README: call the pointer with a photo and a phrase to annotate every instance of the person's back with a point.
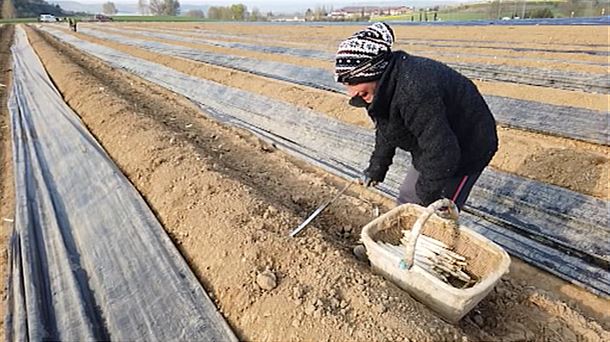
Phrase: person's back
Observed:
(421, 79)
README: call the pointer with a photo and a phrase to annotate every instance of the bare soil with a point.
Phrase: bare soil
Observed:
(323, 101)
(228, 201)
(545, 158)
(7, 197)
(558, 97)
(556, 37)
(496, 50)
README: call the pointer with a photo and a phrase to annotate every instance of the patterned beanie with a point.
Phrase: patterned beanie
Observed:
(364, 56)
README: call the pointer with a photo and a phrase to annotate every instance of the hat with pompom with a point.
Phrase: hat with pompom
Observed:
(364, 56)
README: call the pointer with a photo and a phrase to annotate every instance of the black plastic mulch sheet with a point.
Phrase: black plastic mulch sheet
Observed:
(559, 230)
(261, 43)
(570, 80)
(570, 122)
(88, 259)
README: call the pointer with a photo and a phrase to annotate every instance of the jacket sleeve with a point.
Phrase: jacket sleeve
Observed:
(440, 152)
(381, 159)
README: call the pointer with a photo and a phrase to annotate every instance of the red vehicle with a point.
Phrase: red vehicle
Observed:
(102, 18)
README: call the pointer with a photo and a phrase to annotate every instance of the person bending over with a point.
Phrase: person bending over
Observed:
(423, 107)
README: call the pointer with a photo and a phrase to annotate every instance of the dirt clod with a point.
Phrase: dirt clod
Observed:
(266, 280)
(296, 199)
(298, 292)
(310, 308)
(360, 253)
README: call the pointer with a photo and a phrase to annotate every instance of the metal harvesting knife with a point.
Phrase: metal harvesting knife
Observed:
(320, 209)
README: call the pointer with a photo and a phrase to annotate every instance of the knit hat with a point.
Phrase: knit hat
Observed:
(364, 56)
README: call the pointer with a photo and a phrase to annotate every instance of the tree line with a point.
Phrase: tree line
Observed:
(547, 9)
(172, 8)
(29, 8)
(496, 9)
(237, 12)
(146, 7)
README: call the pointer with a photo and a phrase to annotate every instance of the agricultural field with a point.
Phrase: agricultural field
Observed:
(233, 133)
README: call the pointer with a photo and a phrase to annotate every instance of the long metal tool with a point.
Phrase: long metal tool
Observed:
(320, 209)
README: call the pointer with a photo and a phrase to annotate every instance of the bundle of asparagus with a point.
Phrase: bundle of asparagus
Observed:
(436, 258)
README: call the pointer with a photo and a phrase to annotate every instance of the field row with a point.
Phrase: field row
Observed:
(535, 156)
(192, 170)
(559, 224)
(565, 76)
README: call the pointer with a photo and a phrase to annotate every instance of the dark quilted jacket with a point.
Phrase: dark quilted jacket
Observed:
(424, 107)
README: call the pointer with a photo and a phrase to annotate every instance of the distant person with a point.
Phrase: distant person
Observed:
(72, 24)
(421, 106)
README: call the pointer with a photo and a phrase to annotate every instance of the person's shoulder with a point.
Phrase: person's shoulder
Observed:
(413, 73)
(429, 65)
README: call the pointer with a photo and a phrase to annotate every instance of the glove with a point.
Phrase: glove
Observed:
(367, 181)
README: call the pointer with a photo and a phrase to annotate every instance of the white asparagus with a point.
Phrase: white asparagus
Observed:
(441, 259)
(434, 259)
(435, 246)
(427, 242)
(433, 241)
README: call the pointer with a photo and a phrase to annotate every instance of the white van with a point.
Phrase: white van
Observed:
(47, 18)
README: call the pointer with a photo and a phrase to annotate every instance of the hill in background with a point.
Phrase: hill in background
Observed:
(28, 9)
(527, 9)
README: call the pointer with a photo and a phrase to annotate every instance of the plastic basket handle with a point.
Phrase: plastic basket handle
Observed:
(445, 208)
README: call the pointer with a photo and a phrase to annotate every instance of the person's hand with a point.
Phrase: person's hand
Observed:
(367, 181)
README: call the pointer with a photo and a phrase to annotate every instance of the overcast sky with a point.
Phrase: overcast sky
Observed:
(301, 5)
(283, 3)
(313, 3)
(290, 6)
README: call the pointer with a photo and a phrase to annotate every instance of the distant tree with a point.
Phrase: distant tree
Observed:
(195, 13)
(30, 8)
(320, 13)
(164, 7)
(239, 11)
(227, 13)
(143, 7)
(255, 15)
(172, 7)
(156, 7)
(8, 10)
(269, 15)
(109, 8)
(224, 13)
(213, 13)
